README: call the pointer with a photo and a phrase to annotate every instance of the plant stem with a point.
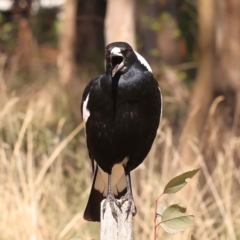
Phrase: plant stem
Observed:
(155, 217)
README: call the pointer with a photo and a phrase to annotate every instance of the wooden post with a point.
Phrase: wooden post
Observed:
(116, 230)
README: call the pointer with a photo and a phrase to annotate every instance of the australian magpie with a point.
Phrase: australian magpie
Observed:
(121, 110)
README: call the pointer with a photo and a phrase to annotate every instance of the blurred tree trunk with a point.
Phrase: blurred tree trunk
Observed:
(24, 45)
(147, 37)
(226, 83)
(90, 33)
(203, 90)
(218, 75)
(227, 51)
(21, 9)
(168, 34)
(120, 22)
(66, 42)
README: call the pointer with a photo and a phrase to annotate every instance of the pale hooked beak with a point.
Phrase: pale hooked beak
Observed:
(116, 62)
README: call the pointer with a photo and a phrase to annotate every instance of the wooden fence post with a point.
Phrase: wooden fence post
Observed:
(116, 230)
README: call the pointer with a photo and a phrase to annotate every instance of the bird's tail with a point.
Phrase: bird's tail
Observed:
(99, 192)
(92, 211)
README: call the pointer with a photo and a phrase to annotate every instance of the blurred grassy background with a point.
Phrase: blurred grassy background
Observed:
(45, 173)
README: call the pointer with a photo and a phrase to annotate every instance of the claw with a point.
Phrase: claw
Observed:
(131, 205)
(119, 205)
(111, 200)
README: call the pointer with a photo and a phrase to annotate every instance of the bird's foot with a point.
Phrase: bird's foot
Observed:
(111, 200)
(128, 197)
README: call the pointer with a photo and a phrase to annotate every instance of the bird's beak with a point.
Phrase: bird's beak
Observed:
(116, 62)
(117, 68)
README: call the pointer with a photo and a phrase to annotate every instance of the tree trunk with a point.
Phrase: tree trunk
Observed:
(167, 38)
(203, 90)
(21, 9)
(225, 120)
(90, 38)
(24, 45)
(66, 45)
(227, 52)
(218, 75)
(120, 22)
(147, 42)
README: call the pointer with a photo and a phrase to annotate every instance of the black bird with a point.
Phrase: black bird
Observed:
(121, 110)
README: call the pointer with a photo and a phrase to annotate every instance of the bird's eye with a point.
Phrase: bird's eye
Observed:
(107, 53)
(127, 52)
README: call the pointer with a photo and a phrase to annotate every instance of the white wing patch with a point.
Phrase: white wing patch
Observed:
(86, 112)
(118, 183)
(101, 182)
(121, 185)
(161, 103)
(143, 61)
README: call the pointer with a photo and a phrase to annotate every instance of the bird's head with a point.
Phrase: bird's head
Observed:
(119, 57)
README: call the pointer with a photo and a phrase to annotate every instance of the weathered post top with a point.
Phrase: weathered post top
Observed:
(116, 230)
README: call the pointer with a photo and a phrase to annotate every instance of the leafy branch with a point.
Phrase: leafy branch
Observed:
(174, 218)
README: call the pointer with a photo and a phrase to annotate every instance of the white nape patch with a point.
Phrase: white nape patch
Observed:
(161, 103)
(118, 182)
(143, 61)
(116, 51)
(86, 112)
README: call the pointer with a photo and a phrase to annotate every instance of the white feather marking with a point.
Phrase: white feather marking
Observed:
(143, 61)
(86, 112)
(101, 182)
(121, 185)
(116, 51)
(118, 182)
(161, 103)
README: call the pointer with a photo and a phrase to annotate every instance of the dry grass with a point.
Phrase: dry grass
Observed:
(45, 175)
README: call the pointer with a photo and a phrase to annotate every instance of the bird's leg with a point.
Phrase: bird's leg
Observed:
(129, 197)
(111, 199)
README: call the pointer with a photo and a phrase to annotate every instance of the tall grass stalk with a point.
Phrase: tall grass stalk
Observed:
(45, 176)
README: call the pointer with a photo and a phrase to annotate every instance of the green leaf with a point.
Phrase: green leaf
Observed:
(170, 230)
(179, 182)
(173, 211)
(175, 217)
(181, 222)
(160, 209)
